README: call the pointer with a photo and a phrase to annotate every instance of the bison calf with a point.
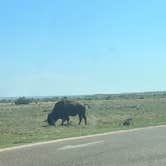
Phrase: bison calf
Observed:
(127, 122)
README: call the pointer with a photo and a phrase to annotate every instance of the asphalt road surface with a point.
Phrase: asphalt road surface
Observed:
(143, 147)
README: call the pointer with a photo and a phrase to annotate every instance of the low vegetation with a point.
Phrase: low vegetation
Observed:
(20, 124)
(22, 100)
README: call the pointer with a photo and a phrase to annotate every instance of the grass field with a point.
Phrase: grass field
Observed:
(20, 124)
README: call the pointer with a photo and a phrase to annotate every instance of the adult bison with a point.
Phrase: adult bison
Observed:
(65, 108)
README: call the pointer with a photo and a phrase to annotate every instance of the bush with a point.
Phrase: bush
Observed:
(5, 101)
(22, 100)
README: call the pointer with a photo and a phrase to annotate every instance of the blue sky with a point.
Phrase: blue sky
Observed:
(81, 47)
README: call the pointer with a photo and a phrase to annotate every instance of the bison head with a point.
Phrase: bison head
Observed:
(50, 119)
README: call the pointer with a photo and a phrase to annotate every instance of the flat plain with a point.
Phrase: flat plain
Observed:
(22, 124)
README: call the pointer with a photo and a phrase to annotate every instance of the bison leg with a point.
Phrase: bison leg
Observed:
(85, 119)
(68, 120)
(80, 119)
(63, 120)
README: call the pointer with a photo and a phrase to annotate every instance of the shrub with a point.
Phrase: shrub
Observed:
(22, 100)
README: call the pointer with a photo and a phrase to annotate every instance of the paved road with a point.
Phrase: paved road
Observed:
(145, 147)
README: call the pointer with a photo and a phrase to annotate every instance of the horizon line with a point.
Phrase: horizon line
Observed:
(75, 95)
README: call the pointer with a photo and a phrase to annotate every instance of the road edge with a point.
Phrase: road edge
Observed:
(79, 137)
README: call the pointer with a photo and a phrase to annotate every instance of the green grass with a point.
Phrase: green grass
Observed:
(24, 123)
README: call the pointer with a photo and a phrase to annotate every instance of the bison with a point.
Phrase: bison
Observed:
(65, 108)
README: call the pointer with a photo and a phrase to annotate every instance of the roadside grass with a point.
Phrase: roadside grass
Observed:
(21, 124)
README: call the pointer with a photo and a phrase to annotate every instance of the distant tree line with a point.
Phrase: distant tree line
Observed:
(5, 101)
(23, 100)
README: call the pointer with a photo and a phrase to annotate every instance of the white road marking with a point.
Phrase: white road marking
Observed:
(80, 145)
(79, 137)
